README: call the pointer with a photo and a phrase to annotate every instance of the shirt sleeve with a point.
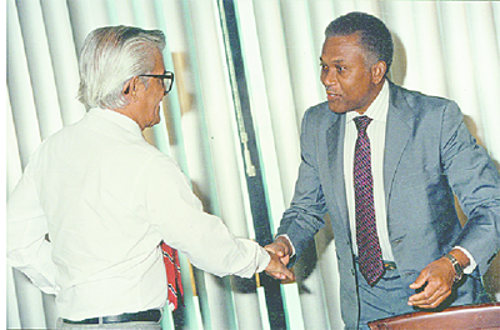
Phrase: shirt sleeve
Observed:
(178, 215)
(469, 269)
(27, 248)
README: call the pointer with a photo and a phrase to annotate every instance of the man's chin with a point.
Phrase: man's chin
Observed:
(153, 123)
(336, 109)
(339, 108)
(156, 119)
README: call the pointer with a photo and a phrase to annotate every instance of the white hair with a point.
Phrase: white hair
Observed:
(110, 57)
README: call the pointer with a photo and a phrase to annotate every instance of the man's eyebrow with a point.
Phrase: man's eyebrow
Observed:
(338, 61)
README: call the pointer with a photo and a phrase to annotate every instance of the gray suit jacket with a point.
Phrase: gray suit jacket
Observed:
(429, 155)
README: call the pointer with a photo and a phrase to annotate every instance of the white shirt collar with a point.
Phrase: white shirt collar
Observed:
(379, 107)
(117, 118)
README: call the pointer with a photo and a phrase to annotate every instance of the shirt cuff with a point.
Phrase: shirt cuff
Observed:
(469, 269)
(263, 259)
(289, 241)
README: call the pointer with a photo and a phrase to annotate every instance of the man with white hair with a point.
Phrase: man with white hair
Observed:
(96, 200)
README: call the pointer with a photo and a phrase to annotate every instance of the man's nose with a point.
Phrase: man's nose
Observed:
(329, 78)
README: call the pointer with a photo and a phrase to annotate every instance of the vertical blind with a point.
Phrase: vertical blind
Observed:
(445, 48)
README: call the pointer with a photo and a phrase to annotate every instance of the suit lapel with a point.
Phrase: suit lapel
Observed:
(335, 146)
(400, 123)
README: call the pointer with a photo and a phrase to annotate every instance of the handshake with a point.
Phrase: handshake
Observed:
(280, 251)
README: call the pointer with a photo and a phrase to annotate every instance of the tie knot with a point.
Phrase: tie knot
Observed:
(362, 123)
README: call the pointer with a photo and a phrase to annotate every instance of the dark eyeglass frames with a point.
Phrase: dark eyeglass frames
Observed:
(167, 79)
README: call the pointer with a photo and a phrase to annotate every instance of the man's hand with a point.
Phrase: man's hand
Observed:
(282, 248)
(439, 276)
(278, 270)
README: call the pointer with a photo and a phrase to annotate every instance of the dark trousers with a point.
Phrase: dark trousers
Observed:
(388, 297)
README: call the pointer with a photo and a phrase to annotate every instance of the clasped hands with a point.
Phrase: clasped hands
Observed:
(279, 251)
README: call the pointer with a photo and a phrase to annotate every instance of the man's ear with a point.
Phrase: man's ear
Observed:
(378, 71)
(130, 88)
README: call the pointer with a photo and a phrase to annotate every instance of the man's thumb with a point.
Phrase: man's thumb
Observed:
(421, 279)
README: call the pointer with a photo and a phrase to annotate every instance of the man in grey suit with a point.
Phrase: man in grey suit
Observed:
(385, 163)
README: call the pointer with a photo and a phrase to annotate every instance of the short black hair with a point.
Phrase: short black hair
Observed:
(374, 35)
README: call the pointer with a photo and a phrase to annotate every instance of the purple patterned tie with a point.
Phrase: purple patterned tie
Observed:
(369, 253)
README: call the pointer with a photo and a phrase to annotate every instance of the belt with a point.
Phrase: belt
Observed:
(152, 315)
(389, 265)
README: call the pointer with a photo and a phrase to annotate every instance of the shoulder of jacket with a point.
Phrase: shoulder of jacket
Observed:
(318, 112)
(419, 102)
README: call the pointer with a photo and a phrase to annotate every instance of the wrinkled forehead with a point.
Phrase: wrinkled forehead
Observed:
(159, 67)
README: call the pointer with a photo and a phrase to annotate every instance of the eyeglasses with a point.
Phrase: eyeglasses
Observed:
(167, 80)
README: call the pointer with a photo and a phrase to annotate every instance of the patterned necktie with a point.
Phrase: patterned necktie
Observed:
(171, 259)
(369, 253)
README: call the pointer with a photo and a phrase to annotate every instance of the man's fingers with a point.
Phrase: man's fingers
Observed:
(277, 269)
(285, 260)
(435, 292)
(433, 302)
(420, 281)
(285, 274)
(438, 280)
(425, 297)
(276, 275)
(276, 248)
(429, 290)
(288, 274)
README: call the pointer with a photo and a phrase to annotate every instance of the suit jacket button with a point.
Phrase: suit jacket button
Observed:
(396, 241)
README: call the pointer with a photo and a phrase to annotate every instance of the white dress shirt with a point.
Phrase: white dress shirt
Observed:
(107, 198)
(377, 111)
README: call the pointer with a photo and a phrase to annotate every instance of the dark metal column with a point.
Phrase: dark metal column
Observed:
(250, 153)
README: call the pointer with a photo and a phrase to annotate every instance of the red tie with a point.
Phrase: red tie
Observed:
(369, 252)
(171, 259)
